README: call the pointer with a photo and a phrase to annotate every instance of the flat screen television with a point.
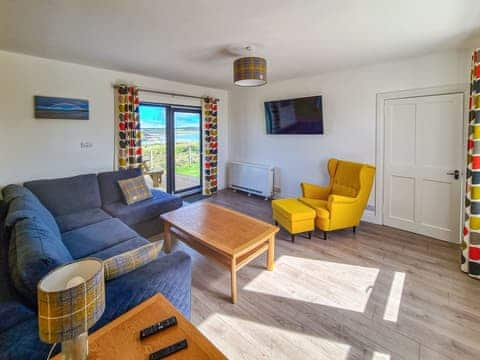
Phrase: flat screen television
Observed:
(295, 116)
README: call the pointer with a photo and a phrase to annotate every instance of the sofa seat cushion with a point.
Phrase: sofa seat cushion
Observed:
(320, 206)
(67, 195)
(93, 238)
(120, 248)
(34, 250)
(160, 203)
(169, 275)
(80, 219)
(22, 342)
(13, 313)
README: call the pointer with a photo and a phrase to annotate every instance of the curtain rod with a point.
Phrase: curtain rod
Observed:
(167, 93)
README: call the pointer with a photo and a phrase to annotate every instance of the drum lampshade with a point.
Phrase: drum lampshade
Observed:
(250, 71)
(71, 299)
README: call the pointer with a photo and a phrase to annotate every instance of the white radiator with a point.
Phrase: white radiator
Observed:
(251, 178)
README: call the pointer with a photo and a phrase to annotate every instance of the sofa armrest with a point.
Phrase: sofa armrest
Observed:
(313, 191)
(170, 275)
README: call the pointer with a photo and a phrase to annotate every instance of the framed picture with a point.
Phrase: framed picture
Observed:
(47, 107)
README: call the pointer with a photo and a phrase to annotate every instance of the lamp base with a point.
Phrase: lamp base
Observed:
(76, 349)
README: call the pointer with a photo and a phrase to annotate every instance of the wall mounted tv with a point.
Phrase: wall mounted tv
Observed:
(294, 116)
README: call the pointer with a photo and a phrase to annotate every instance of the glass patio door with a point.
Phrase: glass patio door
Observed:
(172, 147)
(153, 122)
(187, 124)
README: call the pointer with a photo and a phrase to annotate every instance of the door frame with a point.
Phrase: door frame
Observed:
(170, 145)
(464, 89)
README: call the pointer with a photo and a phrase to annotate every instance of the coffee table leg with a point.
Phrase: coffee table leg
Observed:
(271, 253)
(233, 280)
(167, 246)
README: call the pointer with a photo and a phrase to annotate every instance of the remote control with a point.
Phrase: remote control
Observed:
(155, 328)
(169, 350)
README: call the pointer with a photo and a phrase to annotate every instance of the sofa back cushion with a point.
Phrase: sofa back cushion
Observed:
(7, 291)
(29, 206)
(67, 195)
(34, 250)
(108, 181)
(13, 191)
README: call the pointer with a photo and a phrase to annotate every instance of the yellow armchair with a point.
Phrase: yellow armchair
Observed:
(340, 204)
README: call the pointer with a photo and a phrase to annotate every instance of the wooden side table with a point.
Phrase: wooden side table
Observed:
(156, 176)
(120, 339)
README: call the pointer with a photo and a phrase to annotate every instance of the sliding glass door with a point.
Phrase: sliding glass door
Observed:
(188, 148)
(172, 146)
(153, 122)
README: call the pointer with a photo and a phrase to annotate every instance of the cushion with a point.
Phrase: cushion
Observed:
(108, 183)
(134, 189)
(119, 248)
(80, 219)
(13, 191)
(27, 207)
(126, 262)
(96, 237)
(7, 290)
(320, 206)
(346, 181)
(33, 252)
(67, 195)
(160, 203)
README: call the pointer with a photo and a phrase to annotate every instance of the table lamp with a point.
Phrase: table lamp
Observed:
(71, 299)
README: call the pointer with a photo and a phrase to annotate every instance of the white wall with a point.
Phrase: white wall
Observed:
(349, 105)
(46, 148)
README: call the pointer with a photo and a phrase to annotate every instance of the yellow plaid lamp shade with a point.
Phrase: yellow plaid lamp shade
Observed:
(69, 308)
(250, 71)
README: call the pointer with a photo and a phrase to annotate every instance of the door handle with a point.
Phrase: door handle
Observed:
(455, 173)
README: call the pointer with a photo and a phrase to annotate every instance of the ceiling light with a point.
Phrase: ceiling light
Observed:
(250, 70)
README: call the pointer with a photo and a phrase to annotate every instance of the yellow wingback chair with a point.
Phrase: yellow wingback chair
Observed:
(340, 204)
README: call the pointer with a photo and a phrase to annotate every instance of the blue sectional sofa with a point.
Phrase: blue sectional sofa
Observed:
(47, 223)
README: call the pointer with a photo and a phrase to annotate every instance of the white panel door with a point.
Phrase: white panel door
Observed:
(423, 149)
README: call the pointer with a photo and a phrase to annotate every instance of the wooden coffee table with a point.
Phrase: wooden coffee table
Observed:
(227, 236)
(120, 339)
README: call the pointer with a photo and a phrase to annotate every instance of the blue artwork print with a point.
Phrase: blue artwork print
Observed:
(60, 108)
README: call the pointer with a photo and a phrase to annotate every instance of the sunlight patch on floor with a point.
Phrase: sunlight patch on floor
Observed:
(276, 343)
(338, 285)
(380, 356)
(394, 297)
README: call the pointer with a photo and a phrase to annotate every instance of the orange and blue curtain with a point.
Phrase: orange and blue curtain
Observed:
(210, 145)
(471, 231)
(128, 127)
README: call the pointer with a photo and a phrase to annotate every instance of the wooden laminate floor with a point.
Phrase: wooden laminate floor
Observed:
(380, 294)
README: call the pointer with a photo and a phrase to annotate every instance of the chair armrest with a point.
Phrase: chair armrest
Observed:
(341, 200)
(313, 191)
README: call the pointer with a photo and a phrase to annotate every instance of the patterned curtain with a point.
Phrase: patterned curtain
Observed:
(128, 122)
(210, 122)
(471, 230)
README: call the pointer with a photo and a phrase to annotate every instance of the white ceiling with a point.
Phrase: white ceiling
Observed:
(188, 41)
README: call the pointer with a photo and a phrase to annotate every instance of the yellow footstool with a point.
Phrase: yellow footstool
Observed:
(294, 216)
